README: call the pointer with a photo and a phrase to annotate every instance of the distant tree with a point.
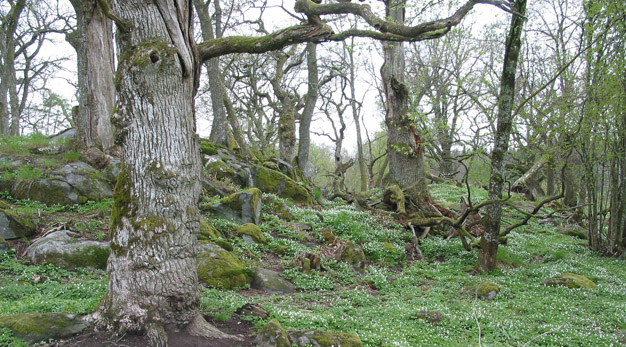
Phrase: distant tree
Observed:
(25, 26)
(442, 77)
(93, 42)
(602, 135)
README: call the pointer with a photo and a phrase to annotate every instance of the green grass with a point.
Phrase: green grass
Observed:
(20, 145)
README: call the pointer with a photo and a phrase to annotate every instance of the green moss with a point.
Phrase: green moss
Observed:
(154, 223)
(221, 269)
(353, 255)
(124, 203)
(92, 256)
(394, 194)
(273, 334)
(207, 231)
(22, 224)
(34, 327)
(570, 280)
(253, 231)
(224, 244)
(484, 290)
(272, 181)
(207, 148)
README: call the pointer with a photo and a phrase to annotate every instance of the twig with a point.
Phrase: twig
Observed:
(544, 334)
(480, 344)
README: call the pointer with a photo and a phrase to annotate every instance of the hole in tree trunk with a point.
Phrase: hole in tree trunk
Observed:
(154, 57)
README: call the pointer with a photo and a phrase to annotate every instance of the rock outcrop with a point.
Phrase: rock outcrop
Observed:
(64, 249)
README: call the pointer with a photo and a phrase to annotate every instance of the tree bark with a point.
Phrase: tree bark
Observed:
(491, 221)
(152, 268)
(406, 152)
(219, 130)
(9, 112)
(93, 42)
(356, 117)
(309, 107)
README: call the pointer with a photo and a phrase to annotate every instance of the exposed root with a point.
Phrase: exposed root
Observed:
(157, 335)
(200, 327)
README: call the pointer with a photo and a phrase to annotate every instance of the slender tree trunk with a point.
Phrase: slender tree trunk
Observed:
(152, 268)
(491, 221)
(219, 128)
(287, 133)
(93, 42)
(235, 127)
(356, 117)
(309, 107)
(406, 152)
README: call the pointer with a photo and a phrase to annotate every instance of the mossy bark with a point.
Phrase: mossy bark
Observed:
(93, 42)
(153, 268)
(492, 218)
(405, 148)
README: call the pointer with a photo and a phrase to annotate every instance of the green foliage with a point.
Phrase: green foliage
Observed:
(46, 288)
(70, 156)
(382, 241)
(309, 281)
(7, 339)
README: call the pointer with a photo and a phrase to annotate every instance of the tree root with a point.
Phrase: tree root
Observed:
(200, 327)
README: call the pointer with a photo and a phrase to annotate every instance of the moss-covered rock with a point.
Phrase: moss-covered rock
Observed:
(35, 327)
(272, 335)
(251, 233)
(270, 281)
(208, 232)
(353, 255)
(242, 207)
(317, 338)
(64, 250)
(280, 209)
(570, 280)
(486, 290)
(75, 183)
(207, 148)
(272, 181)
(14, 225)
(574, 230)
(220, 268)
(328, 236)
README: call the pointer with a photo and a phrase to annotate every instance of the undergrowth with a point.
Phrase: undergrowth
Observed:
(383, 304)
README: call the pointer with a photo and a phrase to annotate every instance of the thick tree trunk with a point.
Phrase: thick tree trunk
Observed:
(93, 42)
(309, 107)
(152, 268)
(492, 218)
(406, 152)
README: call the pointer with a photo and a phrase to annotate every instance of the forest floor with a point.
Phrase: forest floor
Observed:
(395, 300)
